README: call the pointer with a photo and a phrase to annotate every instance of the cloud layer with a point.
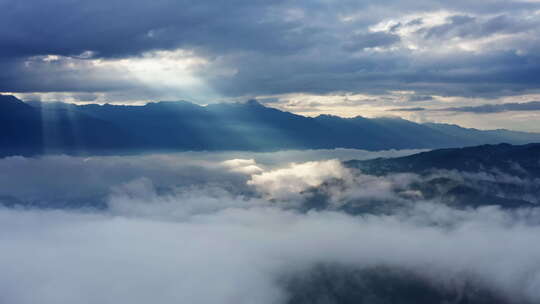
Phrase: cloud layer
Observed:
(238, 252)
(233, 228)
(239, 48)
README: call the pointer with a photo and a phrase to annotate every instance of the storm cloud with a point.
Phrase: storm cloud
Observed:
(259, 48)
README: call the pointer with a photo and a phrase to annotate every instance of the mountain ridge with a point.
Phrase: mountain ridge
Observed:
(514, 160)
(33, 128)
(504, 175)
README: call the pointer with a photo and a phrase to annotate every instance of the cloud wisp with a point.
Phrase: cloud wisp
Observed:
(481, 109)
(497, 108)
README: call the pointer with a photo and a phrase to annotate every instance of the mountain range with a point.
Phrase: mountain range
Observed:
(521, 161)
(504, 175)
(33, 128)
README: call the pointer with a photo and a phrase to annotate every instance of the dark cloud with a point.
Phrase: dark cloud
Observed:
(497, 108)
(417, 109)
(260, 47)
(370, 40)
(123, 28)
(36, 74)
(466, 26)
(417, 21)
(481, 109)
(417, 98)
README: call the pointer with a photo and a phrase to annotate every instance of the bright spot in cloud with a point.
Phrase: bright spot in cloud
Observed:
(295, 178)
(246, 166)
(165, 70)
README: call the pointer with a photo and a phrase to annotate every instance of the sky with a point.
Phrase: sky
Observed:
(474, 63)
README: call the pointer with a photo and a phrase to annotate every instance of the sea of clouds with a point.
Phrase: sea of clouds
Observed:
(231, 228)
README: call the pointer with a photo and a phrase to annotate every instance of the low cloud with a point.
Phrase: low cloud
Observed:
(229, 253)
(289, 182)
(210, 228)
(87, 181)
(247, 166)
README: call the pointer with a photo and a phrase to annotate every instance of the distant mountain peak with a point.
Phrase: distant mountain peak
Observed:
(9, 98)
(171, 104)
(254, 102)
(328, 116)
(12, 103)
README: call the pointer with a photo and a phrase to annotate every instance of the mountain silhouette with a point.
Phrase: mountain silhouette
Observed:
(513, 160)
(503, 175)
(33, 128)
